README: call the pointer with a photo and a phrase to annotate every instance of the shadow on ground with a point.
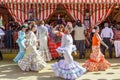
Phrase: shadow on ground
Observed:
(10, 71)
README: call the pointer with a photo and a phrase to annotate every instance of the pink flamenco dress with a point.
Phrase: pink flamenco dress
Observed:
(96, 62)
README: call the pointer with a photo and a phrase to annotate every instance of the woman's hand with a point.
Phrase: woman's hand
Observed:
(106, 47)
(25, 48)
(111, 40)
(75, 53)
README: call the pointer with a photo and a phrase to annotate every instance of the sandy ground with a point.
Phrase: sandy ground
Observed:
(10, 71)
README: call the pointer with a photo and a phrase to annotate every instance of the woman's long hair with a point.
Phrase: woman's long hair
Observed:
(32, 26)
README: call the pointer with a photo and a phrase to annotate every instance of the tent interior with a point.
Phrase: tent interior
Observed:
(115, 15)
(113, 18)
(63, 14)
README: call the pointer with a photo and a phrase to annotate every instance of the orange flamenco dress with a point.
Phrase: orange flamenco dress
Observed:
(96, 62)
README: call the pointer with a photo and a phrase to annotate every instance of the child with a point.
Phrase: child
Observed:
(21, 43)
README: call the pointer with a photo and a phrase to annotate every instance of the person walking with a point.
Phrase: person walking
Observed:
(32, 60)
(42, 36)
(21, 43)
(107, 36)
(96, 62)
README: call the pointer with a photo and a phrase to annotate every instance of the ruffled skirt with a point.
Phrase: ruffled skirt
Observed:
(68, 71)
(63, 49)
(96, 62)
(52, 48)
(32, 62)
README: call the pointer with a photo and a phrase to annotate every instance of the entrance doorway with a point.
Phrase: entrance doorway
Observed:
(60, 10)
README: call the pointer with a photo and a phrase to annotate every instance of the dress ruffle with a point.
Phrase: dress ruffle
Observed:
(96, 62)
(32, 61)
(52, 48)
(68, 71)
(63, 49)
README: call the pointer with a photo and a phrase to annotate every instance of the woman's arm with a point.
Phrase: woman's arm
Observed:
(23, 44)
(55, 29)
(101, 41)
(75, 52)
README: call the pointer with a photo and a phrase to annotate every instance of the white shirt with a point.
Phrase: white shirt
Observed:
(107, 33)
(79, 33)
(2, 32)
(42, 32)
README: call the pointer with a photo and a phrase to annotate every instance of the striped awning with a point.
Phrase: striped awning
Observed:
(42, 9)
(60, 1)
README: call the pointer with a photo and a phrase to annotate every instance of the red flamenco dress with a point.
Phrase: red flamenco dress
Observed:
(96, 62)
(54, 43)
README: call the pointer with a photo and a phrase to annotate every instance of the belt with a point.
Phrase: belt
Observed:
(106, 38)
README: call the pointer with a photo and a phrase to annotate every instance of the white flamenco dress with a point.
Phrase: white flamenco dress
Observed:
(67, 68)
(32, 60)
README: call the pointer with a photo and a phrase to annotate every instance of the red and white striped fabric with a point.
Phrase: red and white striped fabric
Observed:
(20, 11)
(60, 1)
(100, 12)
(98, 9)
(76, 10)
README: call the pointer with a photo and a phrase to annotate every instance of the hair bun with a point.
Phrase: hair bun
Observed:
(96, 28)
